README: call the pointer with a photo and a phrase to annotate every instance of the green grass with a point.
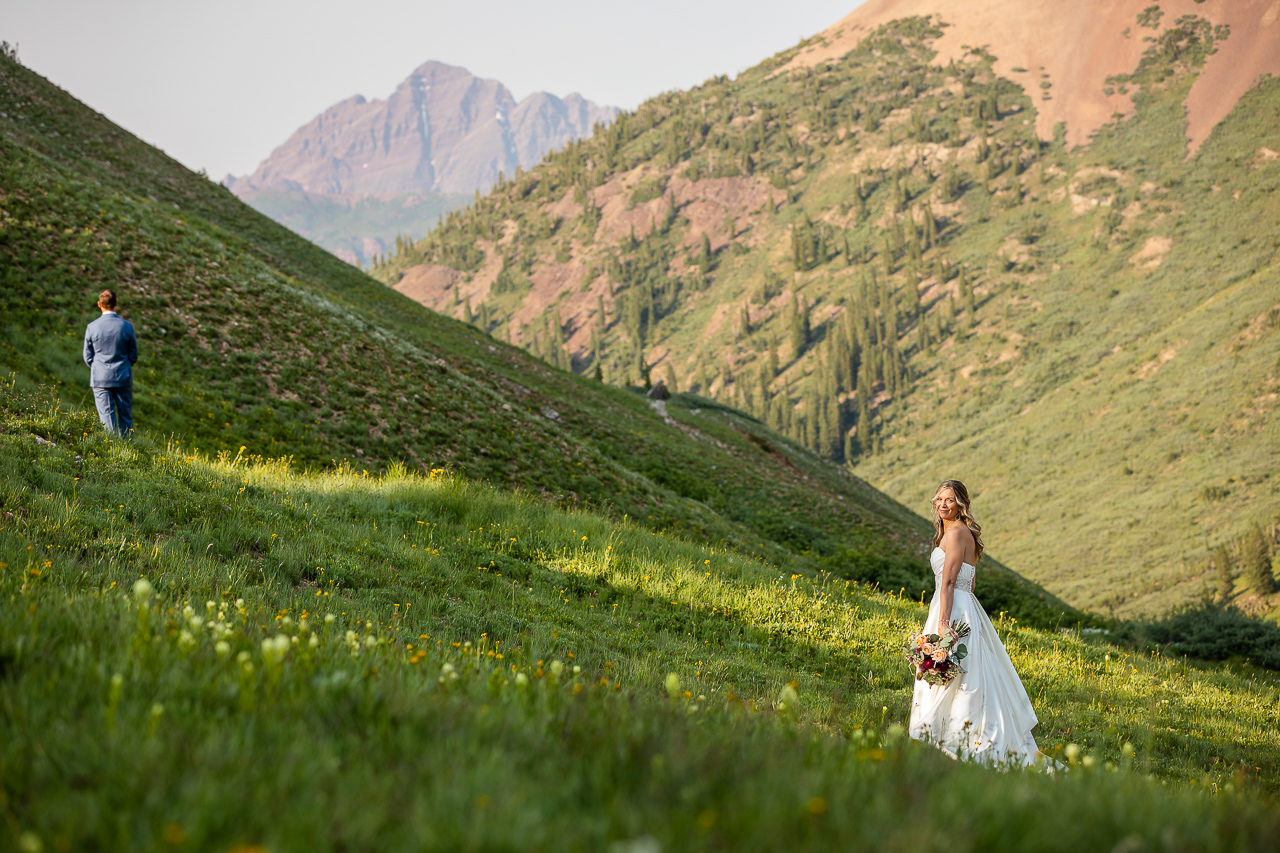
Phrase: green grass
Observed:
(251, 336)
(1115, 421)
(126, 726)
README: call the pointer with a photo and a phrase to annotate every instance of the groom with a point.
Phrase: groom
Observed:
(110, 350)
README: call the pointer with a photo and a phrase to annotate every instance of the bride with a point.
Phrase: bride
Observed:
(984, 713)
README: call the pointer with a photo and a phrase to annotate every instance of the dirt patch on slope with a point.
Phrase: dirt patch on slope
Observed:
(1075, 47)
(1252, 50)
(713, 206)
(429, 284)
(1152, 253)
(548, 282)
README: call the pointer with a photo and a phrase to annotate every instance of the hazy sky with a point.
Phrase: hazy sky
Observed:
(218, 85)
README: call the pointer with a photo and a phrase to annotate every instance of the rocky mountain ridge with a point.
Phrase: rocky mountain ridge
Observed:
(442, 130)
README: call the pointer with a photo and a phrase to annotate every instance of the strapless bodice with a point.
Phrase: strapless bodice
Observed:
(968, 573)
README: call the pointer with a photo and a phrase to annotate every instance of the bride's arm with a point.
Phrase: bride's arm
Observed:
(953, 546)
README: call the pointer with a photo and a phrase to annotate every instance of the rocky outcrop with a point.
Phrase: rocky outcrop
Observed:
(442, 130)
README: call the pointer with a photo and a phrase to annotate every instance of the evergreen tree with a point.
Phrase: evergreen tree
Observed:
(1257, 561)
(825, 437)
(775, 414)
(911, 305)
(700, 379)
(670, 378)
(970, 303)
(795, 328)
(634, 319)
(773, 358)
(1226, 574)
(950, 183)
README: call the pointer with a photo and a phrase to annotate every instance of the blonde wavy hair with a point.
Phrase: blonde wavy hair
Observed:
(962, 501)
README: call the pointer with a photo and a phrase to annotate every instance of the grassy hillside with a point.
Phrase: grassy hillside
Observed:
(252, 337)
(418, 661)
(879, 259)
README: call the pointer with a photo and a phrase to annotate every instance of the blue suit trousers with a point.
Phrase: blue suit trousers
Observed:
(115, 408)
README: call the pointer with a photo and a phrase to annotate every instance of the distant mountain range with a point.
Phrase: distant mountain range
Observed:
(441, 135)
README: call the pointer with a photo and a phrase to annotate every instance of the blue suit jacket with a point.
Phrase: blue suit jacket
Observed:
(110, 350)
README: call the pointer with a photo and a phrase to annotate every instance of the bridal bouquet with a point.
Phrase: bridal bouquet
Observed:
(936, 657)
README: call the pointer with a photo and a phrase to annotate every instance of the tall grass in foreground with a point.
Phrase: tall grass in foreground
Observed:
(202, 653)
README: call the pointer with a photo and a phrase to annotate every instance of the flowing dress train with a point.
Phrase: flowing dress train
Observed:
(984, 713)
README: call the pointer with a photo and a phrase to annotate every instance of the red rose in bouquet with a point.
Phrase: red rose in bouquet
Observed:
(935, 658)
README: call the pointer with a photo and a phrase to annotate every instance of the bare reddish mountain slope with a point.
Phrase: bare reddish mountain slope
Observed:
(1075, 46)
(442, 130)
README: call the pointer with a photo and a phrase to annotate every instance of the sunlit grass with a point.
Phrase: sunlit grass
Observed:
(421, 660)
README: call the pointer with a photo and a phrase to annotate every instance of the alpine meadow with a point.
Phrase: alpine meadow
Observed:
(408, 560)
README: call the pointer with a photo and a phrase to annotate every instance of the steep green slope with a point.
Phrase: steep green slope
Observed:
(321, 661)
(251, 337)
(878, 258)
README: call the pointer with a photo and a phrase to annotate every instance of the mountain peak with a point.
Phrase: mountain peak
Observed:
(443, 129)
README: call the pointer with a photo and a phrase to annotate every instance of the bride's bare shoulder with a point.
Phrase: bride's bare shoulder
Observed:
(958, 536)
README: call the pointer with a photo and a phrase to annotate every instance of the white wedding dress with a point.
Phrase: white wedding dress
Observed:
(984, 713)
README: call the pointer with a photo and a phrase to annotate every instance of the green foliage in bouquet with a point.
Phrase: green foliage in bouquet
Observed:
(936, 657)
